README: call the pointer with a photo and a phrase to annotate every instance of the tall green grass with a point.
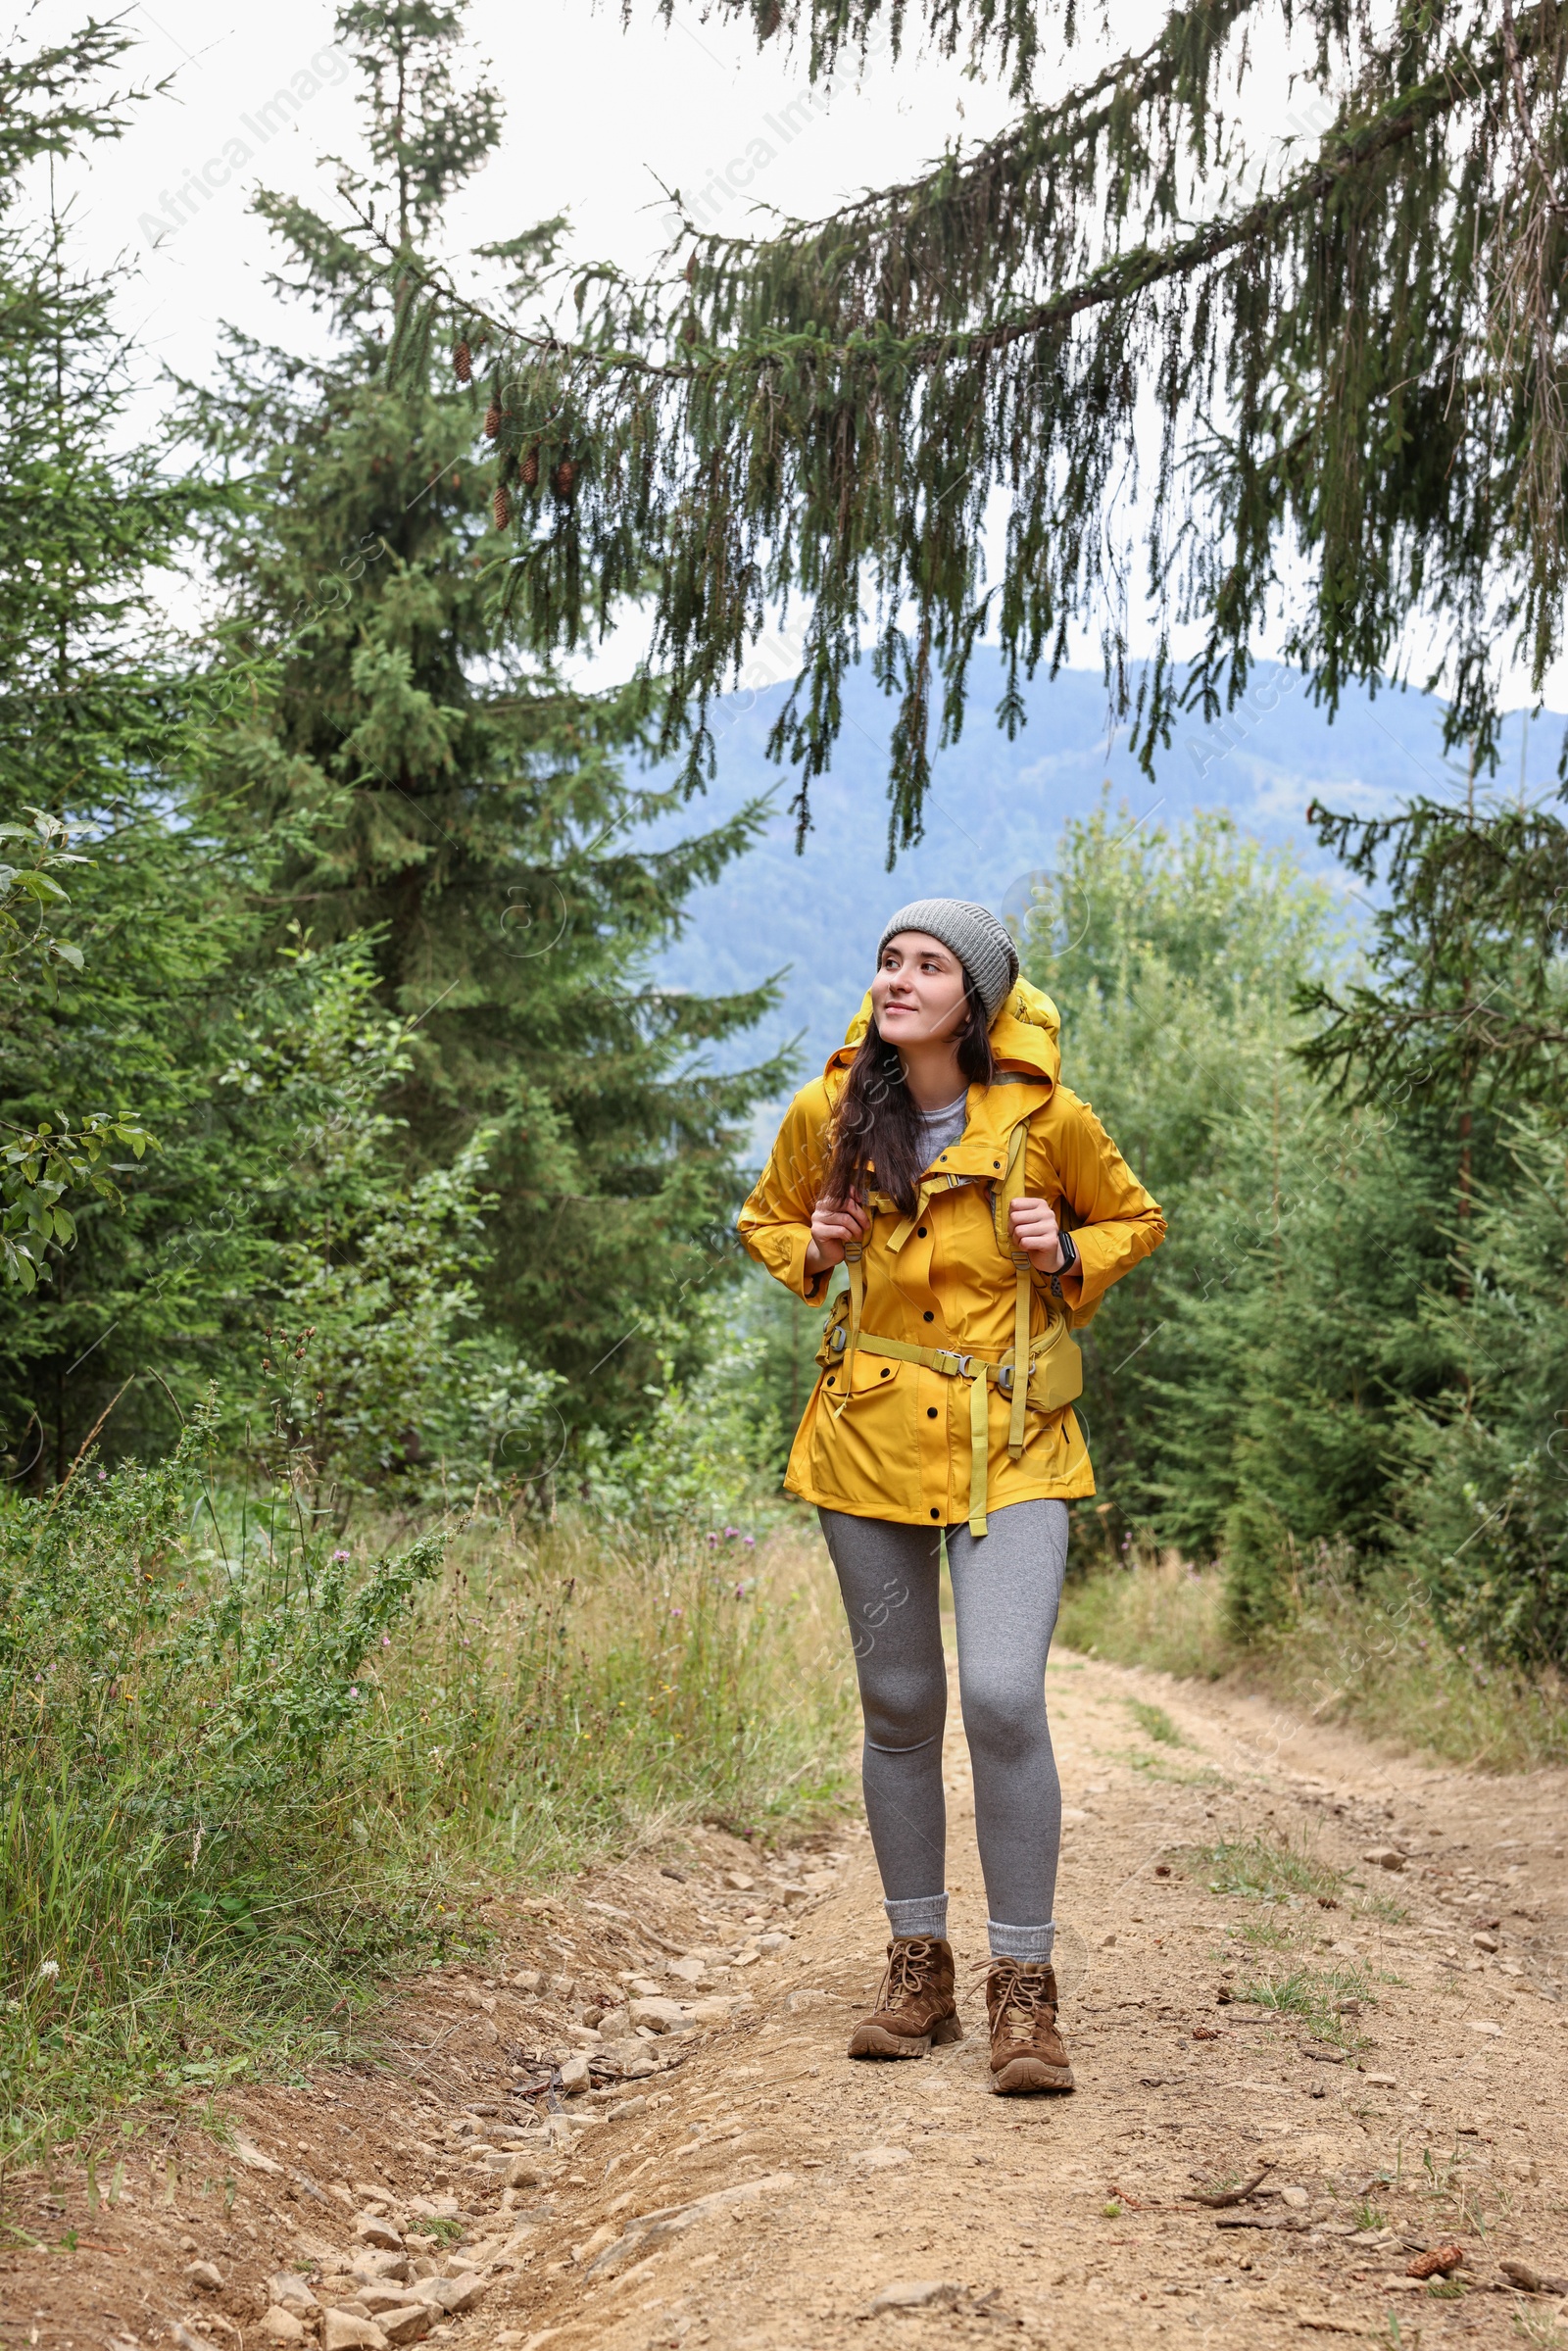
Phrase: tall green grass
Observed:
(1369, 1656)
(245, 1774)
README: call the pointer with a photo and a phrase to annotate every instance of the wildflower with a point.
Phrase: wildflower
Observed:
(49, 1968)
(731, 1533)
(340, 1554)
(386, 1641)
(712, 1543)
(750, 1541)
(354, 1689)
(102, 1475)
(677, 1612)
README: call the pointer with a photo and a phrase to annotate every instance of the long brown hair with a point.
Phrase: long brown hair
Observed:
(876, 1124)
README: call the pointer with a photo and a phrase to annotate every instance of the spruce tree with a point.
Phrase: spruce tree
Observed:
(108, 1019)
(1345, 320)
(465, 804)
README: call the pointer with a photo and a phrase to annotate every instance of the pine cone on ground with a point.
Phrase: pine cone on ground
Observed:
(501, 507)
(462, 364)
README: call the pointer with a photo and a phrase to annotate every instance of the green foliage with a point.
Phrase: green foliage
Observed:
(1465, 986)
(1483, 1507)
(1263, 1871)
(182, 1729)
(1155, 1724)
(701, 1451)
(839, 410)
(1241, 1395)
(459, 801)
(1325, 2000)
(245, 1774)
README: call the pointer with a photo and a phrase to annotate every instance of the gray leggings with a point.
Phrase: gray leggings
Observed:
(1007, 1587)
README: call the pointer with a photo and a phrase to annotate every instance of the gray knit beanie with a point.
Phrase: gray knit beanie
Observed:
(979, 939)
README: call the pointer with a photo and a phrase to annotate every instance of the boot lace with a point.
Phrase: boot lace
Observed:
(910, 1966)
(1022, 1999)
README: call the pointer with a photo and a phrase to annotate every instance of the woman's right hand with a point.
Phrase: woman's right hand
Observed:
(835, 1224)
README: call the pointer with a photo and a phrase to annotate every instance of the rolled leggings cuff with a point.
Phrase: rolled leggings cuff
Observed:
(928, 1916)
(1022, 1943)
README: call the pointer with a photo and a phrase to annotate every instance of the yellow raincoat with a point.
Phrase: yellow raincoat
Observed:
(886, 1434)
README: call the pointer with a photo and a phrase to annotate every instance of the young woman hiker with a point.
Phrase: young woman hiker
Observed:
(939, 1162)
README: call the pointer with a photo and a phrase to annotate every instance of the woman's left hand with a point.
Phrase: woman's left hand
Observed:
(1037, 1233)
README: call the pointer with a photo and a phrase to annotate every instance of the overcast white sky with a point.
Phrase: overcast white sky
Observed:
(596, 119)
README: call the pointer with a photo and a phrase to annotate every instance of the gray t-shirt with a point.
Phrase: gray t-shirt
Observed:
(941, 1128)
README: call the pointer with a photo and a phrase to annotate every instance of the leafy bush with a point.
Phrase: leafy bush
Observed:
(704, 1451)
(244, 1774)
(184, 1731)
(1483, 1508)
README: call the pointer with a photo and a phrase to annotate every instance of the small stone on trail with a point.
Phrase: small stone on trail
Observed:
(372, 2229)
(918, 2293)
(574, 2073)
(1385, 1857)
(881, 2159)
(341, 2331)
(660, 2016)
(454, 2295)
(740, 1880)
(409, 2325)
(202, 2274)
(1528, 2280)
(1295, 2198)
(372, 2264)
(291, 2291)
(1485, 1942)
(281, 2325)
(1482, 2023)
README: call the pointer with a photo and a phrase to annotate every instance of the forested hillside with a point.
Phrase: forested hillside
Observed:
(999, 807)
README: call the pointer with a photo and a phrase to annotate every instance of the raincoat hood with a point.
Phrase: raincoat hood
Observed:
(1025, 1035)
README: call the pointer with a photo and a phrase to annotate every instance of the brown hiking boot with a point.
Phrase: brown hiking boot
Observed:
(1026, 2049)
(915, 2007)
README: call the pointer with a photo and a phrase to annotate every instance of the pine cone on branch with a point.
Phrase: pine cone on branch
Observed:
(561, 480)
(492, 420)
(529, 470)
(501, 505)
(462, 364)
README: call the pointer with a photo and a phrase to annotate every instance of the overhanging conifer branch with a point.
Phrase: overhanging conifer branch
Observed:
(1359, 364)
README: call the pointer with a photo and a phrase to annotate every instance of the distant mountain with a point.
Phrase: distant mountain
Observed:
(997, 807)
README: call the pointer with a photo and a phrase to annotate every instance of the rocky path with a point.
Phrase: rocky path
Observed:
(1326, 1986)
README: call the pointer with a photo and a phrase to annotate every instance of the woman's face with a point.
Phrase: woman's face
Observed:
(917, 996)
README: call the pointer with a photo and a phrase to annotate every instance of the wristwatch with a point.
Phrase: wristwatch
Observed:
(1069, 1259)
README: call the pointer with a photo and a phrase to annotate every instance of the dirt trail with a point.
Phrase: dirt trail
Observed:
(760, 2192)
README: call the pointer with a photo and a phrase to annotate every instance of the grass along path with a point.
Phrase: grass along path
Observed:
(1253, 1997)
